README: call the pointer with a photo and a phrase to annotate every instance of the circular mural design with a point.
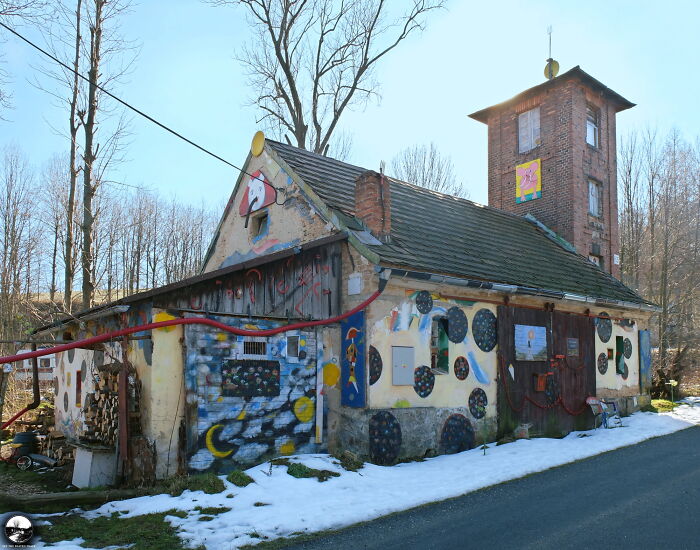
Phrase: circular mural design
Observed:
(384, 438)
(99, 358)
(551, 393)
(625, 372)
(603, 363)
(71, 355)
(604, 327)
(55, 385)
(424, 302)
(627, 348)
(478, 403)
(423, 381)
(457, 435)
(83, 371)
(65, 401)
(484, 329)
(461, 368)
(458, 325)
(375, 365)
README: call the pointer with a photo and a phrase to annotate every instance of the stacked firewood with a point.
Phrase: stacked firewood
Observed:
(56, 446)
(102, 409)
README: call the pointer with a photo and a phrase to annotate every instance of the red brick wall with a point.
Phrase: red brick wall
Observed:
(373, 203)
(567, 163)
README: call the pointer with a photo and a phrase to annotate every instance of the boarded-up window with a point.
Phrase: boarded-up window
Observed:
(529, 130)
(594, 198)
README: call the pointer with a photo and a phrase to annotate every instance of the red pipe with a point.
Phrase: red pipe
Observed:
(182, 321)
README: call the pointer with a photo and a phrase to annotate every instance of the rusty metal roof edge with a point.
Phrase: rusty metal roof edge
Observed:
(202, 277)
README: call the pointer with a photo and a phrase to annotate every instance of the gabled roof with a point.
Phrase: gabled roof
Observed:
(436, 233)
(576, 72)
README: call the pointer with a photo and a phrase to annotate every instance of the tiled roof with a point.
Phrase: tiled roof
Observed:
(436, 233)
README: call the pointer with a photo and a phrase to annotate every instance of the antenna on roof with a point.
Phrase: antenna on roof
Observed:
(552, 68)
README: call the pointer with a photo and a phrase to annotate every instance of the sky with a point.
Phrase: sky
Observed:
(470, 56)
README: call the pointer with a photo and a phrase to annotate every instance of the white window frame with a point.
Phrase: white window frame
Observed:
(592, 125)
(595, 206)
(529, 130)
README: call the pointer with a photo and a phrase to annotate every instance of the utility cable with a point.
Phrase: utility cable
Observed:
(139, 111)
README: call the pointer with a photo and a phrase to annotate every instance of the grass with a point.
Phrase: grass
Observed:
(301, 470)
(349, 462)
(146, 532)
(212, 510)
(660, 406)
(210, 483)
(239, 478)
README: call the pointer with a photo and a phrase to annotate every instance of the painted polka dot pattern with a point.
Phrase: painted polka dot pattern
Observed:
(478, 403)
(458, 325)
(384, 438)
(627, 344)
(83, 371)
(603, 363)
(604, 327)
(375, 365)
(65, 401)
(484, 330)
(423, 381)
(457, 435)
(551, 392)
(625, 372)
(461, 368)
(424, 302)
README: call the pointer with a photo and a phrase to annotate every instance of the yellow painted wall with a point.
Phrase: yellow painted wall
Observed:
(162, 395)
(294, 223)
(394, 320)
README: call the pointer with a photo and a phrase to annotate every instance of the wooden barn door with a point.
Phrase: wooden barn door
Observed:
(546, 371)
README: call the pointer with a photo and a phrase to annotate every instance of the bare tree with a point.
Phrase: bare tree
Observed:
(425, 166)
(313, 59)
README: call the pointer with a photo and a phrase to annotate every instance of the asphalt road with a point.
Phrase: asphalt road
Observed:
(644, 496)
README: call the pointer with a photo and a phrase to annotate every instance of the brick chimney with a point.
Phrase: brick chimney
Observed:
(373, 203)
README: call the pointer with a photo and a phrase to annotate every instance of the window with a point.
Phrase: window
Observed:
(258, 226)
(594, 198)
(292, 347)
(594, 259)
(254, 348)
(45, 363)
(528, 130)
(439, 346)
(592, 124)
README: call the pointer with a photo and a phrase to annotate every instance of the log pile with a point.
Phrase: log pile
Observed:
(56, 446)
(101, 410)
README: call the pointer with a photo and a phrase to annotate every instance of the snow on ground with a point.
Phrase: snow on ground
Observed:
(295, 506)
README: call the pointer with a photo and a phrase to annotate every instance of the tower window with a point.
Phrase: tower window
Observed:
(594, 198)
(528, 130)
(592, 125)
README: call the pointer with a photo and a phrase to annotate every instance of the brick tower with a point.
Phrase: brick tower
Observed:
(552, 154)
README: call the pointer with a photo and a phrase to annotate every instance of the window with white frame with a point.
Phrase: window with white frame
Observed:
(592, 125)
(528, 130)
(594, 198)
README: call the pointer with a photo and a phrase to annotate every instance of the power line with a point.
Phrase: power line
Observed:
(127, 105)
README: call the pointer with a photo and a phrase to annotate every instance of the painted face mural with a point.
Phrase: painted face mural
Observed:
(259, 194)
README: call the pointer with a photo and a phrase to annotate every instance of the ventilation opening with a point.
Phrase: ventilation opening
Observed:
(258, 225)
(254, 348)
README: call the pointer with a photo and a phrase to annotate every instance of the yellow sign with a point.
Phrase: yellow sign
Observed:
(528, 181)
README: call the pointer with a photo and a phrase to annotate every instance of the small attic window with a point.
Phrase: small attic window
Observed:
(258, 225)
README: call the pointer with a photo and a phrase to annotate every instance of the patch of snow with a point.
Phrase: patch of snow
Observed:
(305, 505)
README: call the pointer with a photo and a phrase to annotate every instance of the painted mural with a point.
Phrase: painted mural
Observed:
(644, 361)
(457, 435)
(396, 329)
(247, 408)
(267, 212)
(352, 373)
(384, 438)
(528, 181)
(617, 356)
